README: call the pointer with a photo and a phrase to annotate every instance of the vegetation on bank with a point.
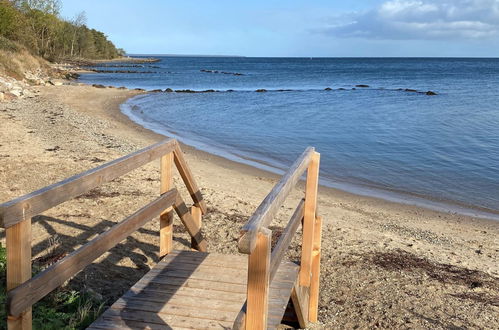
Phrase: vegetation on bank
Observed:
(37, 26)
(62, 309)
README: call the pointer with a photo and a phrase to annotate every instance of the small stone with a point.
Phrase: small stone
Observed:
(431, 93)
(2, 96)
(262, 90)
(16, 92)
(362, 86)
(328, 89)
(169, 90)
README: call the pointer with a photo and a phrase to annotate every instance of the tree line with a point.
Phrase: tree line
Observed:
(37, 25)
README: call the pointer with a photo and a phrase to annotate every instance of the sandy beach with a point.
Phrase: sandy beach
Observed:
(384, 265)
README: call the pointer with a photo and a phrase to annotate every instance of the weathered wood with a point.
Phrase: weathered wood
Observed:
(166, 321)
(258, 282)
(188, 179)
(41, 200)
(196, 216)
(18, 241)
(32, 291)
(309, 219)
(286, 237)
(160, 300)
(300, 298)
(267, 210)
(190, 224)
(313, 306)
(166, 217)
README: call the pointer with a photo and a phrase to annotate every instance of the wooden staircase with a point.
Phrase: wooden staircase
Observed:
(190, 288)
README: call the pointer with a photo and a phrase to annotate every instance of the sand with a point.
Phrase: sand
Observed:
(384, 264)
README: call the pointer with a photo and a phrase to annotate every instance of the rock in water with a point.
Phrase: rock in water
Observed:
(362, 86)
(431, 93)
(261, 90)
(328, 89)
(169, 90)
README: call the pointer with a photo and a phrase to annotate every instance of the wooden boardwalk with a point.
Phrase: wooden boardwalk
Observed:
(195, 290)
(190, 288)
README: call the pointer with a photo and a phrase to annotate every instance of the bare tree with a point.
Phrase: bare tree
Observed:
(78, 21)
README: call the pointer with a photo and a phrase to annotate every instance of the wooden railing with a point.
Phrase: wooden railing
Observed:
(263, 263)
(15, 217)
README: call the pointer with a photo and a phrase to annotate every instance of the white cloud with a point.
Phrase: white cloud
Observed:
(421, 19)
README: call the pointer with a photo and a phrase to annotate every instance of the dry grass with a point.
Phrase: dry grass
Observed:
(15, 60)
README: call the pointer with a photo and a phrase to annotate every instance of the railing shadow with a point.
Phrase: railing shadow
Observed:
(110, 276)
(146, 302)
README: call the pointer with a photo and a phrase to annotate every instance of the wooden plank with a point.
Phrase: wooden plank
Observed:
(179, 283)
(229, 263)
(114, 323)
(18, 243)
(309, 219)
(300, 298)
(196, 216)
(189, 296)
(203, 311)
(267, 210)
(313, 306)
(227, 260)
(165, 320)
(190, 224)
(285, 239)
(258, 282)
(41, 200)
(30, 292)
(166, 217)
(200, 268)
(188, 179)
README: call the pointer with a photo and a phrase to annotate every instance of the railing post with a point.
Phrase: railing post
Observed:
(166, 218)
(18, 243)
(258, 282)
(196, 215)
(316, 268)
(309, 219)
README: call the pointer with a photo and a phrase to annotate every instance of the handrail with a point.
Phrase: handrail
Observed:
(15, 216)
(285, 239)
(31, 291)
(267, 210)
(264, 262)
(29, 205)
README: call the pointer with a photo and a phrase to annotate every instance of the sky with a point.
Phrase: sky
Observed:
(313, 28)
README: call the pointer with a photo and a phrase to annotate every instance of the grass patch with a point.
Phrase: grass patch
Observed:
(62, 309)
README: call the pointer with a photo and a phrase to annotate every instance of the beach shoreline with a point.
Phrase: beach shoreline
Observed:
(68, 129)
(259, 168)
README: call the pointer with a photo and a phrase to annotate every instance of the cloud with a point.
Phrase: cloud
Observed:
(421, 19)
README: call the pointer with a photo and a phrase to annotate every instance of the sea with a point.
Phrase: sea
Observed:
(378, 130)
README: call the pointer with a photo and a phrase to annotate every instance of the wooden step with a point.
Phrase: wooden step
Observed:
(195, 290)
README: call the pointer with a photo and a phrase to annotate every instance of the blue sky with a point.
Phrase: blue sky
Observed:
(297, 28)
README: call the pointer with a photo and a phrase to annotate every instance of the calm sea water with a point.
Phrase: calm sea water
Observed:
(375, 140)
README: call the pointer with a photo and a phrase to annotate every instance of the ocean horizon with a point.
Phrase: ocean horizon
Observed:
(413, 130)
